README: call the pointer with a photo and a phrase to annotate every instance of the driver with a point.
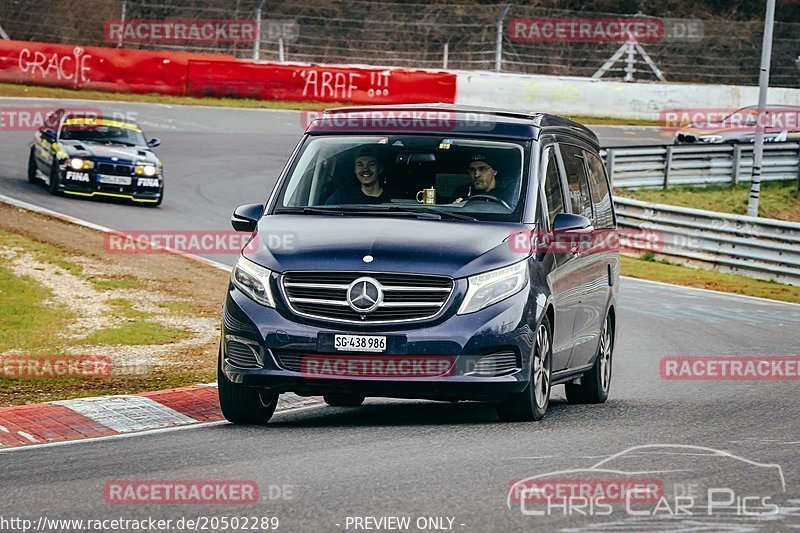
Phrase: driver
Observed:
(368, 189)
(483, 175)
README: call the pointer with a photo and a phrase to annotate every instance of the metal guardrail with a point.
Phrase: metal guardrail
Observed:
(698, 164)
(760, 248)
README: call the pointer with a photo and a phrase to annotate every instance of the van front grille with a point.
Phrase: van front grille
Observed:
(406, 297)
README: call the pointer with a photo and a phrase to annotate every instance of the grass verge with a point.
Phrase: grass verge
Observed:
(707, 279)
(63, 297)
(778, 199)
(31, 91)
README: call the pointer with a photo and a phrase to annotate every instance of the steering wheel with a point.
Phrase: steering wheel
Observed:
(490, 198)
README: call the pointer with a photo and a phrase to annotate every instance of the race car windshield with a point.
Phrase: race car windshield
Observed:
(479, 178)
(128, 135)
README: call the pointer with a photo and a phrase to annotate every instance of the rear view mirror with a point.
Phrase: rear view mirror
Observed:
(408, 159)
(246, 217)
(568, 223)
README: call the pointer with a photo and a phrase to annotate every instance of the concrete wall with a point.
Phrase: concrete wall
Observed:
(584, 96)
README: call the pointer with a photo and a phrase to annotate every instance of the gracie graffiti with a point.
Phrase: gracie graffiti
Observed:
(63, 67)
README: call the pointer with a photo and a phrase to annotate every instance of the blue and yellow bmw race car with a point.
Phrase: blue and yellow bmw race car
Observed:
(96, 157)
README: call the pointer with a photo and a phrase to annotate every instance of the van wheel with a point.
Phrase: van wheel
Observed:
(32, 167)
(596, 383)
(53, 185)
(343, 400)
(244, 405)
(531, 404)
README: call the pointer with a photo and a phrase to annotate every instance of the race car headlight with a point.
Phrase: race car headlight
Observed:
(146, 170)
(76, 163)
(493, 286)
(253, 280)
(711, 138)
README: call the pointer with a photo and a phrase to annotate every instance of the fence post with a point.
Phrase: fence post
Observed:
(123, 10)
(798, 167)
(667, 166)
(737, 161)
(498, 54)
(257, 43)
(610, 165)
(281, 53)
(446, 54)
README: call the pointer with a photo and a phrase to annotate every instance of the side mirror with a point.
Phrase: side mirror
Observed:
(153, 142)
(246, 217)
(568, 223)
(49, 134)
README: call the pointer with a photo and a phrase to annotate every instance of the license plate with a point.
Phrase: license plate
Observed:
(114, 180)
(359, 343)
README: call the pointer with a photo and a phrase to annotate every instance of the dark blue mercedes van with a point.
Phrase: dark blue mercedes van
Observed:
(426, 251)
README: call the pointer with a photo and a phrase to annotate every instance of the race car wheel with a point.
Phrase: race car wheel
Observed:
(53, 185)
(244, 405)
(595, 384)
(532, 403)
(343, 400)
(32, 167)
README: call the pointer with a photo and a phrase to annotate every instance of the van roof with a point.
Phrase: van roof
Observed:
(463, 119)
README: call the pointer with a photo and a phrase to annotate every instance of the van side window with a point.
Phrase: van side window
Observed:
(601, 197)
(552, 189)
(576, 180)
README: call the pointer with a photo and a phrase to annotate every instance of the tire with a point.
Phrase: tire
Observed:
(53, 185)
(343, 400)
(244, 405)
(531, 404)
(32, 178)
(596, 383)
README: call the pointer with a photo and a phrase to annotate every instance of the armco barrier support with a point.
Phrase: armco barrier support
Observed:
(178, 73)
(761, 248)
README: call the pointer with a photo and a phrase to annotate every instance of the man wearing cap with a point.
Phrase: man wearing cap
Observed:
(483, 174)
(368, 189)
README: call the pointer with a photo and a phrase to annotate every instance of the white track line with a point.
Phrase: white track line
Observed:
(147, 431)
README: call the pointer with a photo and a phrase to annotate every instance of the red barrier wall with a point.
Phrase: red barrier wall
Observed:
(176, 73)
(102, 69)
(319, 83)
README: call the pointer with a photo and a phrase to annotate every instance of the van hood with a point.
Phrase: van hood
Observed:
(436, 247)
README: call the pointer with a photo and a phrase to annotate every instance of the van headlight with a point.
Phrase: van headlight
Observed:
(493, 286)
(253, 280)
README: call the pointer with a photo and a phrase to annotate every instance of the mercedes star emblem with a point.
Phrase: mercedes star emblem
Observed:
(367, 259)
(364, 295)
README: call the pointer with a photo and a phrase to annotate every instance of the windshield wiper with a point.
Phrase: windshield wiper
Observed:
(418, 210)
(308, 211)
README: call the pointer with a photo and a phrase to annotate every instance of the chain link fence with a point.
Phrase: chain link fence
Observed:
(437, 35)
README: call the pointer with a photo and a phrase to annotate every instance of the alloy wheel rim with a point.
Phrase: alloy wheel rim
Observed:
(541, 368)
(605, 357)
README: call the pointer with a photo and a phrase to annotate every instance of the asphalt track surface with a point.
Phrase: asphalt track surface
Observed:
(426, 459)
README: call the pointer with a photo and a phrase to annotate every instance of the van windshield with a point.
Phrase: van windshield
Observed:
(480, 178)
